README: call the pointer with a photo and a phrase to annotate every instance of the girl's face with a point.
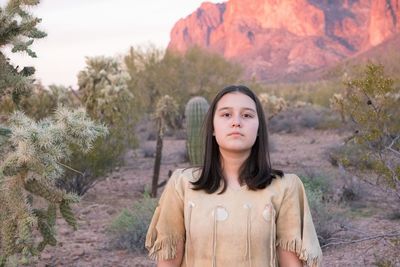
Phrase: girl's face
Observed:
(235, 123)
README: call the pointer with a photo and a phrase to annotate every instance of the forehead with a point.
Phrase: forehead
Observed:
(236, 100)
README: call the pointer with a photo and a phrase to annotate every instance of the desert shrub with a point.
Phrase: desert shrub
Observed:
(294, 119)
(315, 181)
(350, 155)
(371, 102)
(128, 230)
(149, 150)
(316, 93)
(388, 259)
(327, 219)
(350, 193)
(395, 215)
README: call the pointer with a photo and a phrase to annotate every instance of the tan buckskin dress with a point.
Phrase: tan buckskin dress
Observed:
(240, 227)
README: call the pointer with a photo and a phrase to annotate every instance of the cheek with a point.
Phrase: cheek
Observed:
(255, 130)
(216, 125)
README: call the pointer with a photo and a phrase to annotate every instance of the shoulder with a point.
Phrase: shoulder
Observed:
(288, 182)
(181, 178)
(185, 175)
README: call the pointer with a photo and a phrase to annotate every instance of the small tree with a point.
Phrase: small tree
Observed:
(372, 104)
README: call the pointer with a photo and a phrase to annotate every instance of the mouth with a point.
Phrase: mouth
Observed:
(235, 134)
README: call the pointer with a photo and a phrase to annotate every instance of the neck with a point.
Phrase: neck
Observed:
(231, 163)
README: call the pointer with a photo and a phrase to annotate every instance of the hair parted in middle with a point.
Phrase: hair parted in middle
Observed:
(256, 172)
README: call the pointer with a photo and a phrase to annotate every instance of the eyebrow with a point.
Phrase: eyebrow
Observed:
(228, 108)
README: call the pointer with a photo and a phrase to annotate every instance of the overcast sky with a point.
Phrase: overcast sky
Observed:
(80, 28)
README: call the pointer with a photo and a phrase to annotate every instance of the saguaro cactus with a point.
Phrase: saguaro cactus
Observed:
(195, 112)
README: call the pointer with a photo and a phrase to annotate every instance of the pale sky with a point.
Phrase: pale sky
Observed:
(80, 28)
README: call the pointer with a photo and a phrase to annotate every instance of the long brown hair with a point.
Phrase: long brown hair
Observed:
(256, 172)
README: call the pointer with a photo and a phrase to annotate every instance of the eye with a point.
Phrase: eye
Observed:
(227, 115)
(248, 115)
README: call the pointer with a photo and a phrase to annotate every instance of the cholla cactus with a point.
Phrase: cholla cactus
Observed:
(18, 29)
(336, 103)
(195, 112)
(272, 104)
(300, 104)
(165, 115)
(29, 168)
(101, 83)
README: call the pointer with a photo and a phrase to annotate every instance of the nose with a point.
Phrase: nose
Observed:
(236, 122)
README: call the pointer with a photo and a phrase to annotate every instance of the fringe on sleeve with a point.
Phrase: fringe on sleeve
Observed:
(164, 249)
(295, 246)
(167, 228)
(295, 228)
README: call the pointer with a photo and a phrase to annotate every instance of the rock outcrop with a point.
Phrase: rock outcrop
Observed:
(276, 39)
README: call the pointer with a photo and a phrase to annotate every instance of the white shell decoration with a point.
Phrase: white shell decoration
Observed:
(221, 214)
(267, 212)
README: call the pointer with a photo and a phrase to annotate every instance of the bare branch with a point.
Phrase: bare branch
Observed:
(70, 168)
(392, 144)
(372, 237)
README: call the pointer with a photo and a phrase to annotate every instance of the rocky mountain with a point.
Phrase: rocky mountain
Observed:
(276, 40)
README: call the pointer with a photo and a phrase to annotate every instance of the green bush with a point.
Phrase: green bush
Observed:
(371, 101)
(314, 181)
(350, 155)
(128, 230)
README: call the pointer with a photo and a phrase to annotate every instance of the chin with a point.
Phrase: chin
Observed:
(237, 149)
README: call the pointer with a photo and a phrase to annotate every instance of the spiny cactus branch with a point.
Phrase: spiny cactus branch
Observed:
(31, 166)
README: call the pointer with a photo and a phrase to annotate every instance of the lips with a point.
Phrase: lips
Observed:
(235, 134)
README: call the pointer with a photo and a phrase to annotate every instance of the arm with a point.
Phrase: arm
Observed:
(165, 237)
(288, 259)
(174, 262)
(295, 231)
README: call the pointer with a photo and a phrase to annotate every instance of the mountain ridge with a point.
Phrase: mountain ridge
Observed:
(274, 40)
